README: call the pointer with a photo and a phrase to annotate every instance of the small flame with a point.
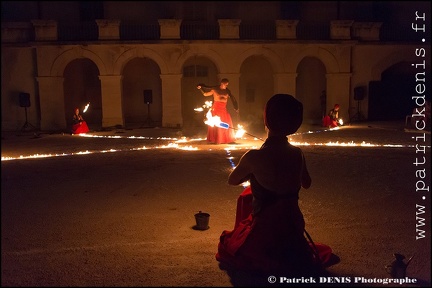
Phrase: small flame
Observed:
(340, 121)
(206, 105)
(240, 131)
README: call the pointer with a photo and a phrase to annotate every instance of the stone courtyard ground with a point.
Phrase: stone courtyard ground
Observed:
(117, 208)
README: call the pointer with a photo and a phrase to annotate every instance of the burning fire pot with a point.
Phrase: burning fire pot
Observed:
(202, 221)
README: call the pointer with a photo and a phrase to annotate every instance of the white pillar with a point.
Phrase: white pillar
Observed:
(51, 99)
(171, 101)
(45, 30)
(109, 29)
(170, 28)
(286, 29)
(285, 83)
(368, 31)
(338, 92)
(112, 110)
(340, 29)
(229, 28)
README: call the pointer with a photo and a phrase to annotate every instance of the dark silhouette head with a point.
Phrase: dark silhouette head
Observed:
(283, 114)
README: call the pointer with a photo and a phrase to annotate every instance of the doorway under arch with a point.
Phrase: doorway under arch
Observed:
(310, 82)
(82, 86)
(390, 98)
(196, 70)
(256, 88)
(142, 93)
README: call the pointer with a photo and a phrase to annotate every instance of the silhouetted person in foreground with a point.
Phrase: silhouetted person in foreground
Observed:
(269, 233)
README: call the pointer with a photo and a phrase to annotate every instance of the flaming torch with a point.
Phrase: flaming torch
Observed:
(86, 107)
(216, 121)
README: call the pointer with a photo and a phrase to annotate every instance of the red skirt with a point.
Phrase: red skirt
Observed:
(327, 122)
(265, 244)
(80, 128)
(221, 135)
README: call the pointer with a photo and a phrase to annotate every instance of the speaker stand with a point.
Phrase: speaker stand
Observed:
(27, 124)
(149, 121)
(358, 116)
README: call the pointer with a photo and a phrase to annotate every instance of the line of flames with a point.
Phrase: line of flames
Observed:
(176, 143)
(212, 121)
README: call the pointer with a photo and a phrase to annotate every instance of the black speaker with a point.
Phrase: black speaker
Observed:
(148, 96)
(359, 93)
(24, 99)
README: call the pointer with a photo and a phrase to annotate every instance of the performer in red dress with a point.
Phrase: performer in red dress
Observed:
(220, 95)
(79, 125)
(269, 233)
(332, 119)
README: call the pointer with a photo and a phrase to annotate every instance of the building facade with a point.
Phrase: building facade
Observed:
(138, 63)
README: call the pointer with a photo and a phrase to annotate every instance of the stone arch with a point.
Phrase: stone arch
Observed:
(210, 54)
(275, 61)
(63, 59)
(326, 57)
(392, 78)
(311, 69)
(124, 58)
(389, 61)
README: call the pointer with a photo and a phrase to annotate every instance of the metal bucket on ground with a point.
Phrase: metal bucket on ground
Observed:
(202, 221)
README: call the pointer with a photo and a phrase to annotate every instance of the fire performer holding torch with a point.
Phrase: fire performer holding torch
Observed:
(221, 94)
(79, 125)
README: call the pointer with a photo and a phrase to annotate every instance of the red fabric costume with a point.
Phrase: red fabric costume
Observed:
(331, 120)
(219, 135)
(80, 128)
(78, 124)
(327, 122)
(250, 245)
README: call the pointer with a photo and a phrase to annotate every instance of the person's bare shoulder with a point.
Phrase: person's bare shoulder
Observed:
(256, 156)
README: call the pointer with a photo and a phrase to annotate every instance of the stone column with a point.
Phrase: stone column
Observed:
(45, 30)
(16, 32)
(109, 29)
(51, 99)
(338, 92)
(286, 29)
(171, 101)
(112, 110)
(369, 31)
(229, 28)
(340, 29)
(170, 28)
(285, 83)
